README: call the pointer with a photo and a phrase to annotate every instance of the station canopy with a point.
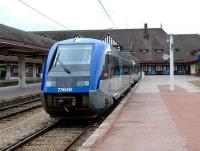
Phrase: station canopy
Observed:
(14, 42)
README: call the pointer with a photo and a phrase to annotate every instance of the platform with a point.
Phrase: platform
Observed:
(152, 119)
(14, 81)
(13, 93)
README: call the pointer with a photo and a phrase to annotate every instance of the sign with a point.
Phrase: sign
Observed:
(165, 57)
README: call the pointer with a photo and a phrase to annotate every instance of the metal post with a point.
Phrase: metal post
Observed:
(171, 50)
(43, 64)
(34, 71)
(21, 72)
(8, 72)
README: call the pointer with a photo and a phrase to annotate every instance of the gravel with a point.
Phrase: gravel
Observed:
(53, 140)
(19, 126)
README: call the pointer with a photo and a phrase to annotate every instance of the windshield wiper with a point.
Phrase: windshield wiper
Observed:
(56, 59)
(64, 66)
(61, 63)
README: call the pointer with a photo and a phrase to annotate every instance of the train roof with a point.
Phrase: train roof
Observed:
(82, 40)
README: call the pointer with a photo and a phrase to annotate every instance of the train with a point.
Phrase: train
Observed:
(84, 77)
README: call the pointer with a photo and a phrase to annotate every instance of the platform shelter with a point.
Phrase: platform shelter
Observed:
(23, 46)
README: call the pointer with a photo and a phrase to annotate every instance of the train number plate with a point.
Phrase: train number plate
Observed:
(64, 89)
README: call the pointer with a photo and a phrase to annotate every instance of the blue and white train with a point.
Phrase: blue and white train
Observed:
(83, 77)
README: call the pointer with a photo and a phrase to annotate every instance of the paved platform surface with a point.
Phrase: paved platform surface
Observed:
(11, 92)
(14, 81)
(154, 119)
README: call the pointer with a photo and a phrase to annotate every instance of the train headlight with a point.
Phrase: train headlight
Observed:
(50, 83)
(87, 83)
(82, 83)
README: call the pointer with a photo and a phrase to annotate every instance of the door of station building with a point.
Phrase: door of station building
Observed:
(166, 70)
(151, 70)
(181, 69)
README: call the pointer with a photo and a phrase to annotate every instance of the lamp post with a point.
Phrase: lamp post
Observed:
(171, 54)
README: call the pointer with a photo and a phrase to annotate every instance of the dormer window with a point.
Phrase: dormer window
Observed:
(159, 50)
(76, 36)
(46, 36)
(144, 50)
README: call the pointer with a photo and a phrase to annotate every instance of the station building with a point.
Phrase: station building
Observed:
(29, 49)
(148, 45)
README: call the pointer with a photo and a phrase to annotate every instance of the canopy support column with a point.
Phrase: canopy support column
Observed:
(8, 72)
(34, 71)
(21, 72)
(43, 64)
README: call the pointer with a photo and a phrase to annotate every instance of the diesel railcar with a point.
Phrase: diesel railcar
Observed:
(83, 77)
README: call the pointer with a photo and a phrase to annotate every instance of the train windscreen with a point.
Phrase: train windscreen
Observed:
(73, 54)
(71, 59)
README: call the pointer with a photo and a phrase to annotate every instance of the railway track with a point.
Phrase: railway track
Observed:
(58, 135)
(12, 110)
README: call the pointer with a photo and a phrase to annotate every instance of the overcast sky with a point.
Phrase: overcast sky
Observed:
(176, 16)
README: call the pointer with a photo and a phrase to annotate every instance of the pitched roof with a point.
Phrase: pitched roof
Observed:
(134, 40)
(14, 59)
(22, 38)
(130, 39)
(185, 44)
(123, 36)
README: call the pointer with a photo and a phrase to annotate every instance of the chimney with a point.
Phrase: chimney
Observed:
(146, 33)
(145, 25)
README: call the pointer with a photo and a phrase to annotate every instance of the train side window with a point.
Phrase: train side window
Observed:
(114, 61)
(126, 69)
(111, 66)
(131, 67)
(107, 59)
(52, 60)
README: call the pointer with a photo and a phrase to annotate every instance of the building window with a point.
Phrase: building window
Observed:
(15, 70)
(159, 50)
(144, 68)
(144, 50)
(175, 68)
(118, 47)
(27, 70)
(186, 68)
(158, 68)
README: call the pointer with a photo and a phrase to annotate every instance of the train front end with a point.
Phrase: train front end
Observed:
(71, 79)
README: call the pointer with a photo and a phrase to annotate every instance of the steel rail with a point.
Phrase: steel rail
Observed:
(77, 138)
(30, 137)
(21, 111)
(18, 104)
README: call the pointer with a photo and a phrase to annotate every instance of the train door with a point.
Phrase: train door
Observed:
(105, 82)
(125, 75)
(116, 76)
